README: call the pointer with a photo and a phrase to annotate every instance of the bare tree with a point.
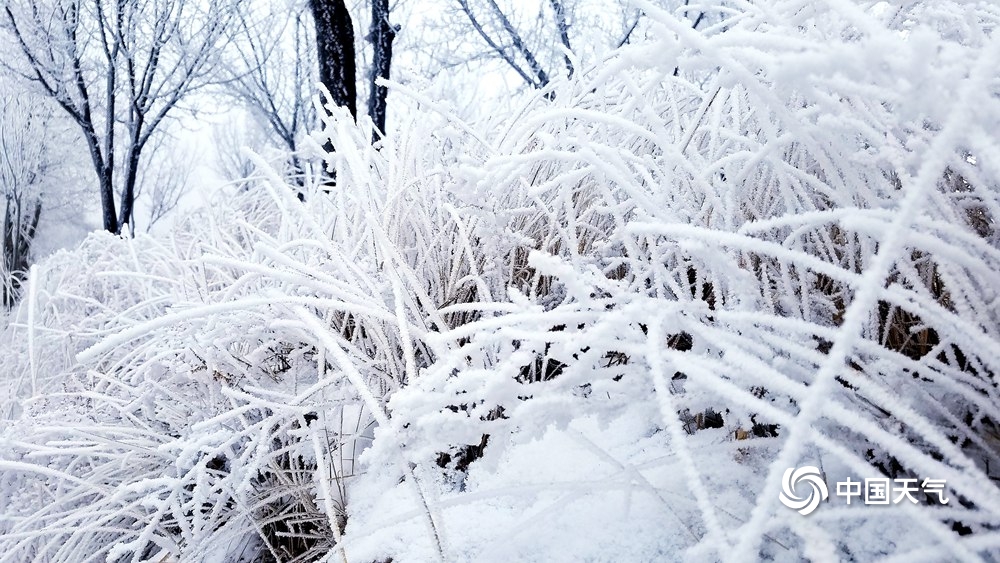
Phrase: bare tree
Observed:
(164, 177)
(24, 165)
(230, 138)
(118, 68)
(535, 45)
(559, 13)
(336, 56)
(533, 74)
(272, 73)
(274, 65)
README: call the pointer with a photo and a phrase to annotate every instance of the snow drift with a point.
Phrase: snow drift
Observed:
(600, 328)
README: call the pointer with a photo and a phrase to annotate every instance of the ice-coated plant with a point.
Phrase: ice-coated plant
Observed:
(605, 326)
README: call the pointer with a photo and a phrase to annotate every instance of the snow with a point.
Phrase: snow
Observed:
(599, 327)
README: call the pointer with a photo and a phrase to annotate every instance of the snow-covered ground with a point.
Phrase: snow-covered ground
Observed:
(601, 327)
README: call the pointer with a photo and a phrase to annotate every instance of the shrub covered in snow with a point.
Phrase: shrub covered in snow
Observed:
(602, 328)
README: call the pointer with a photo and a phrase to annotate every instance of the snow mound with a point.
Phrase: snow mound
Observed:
(603, 330)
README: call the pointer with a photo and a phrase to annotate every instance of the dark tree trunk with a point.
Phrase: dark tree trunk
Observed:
(108, 202)
(15, 248)
(7, 255)
(381, 36)
(105, 174)
(335, 52)
(128, 192)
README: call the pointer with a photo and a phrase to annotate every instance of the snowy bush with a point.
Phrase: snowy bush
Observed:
(600, 328)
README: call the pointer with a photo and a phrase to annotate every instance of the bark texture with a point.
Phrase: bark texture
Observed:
(381, 36)
(335, 52)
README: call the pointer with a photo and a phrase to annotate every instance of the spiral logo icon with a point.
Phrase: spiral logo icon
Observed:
(810, 476)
